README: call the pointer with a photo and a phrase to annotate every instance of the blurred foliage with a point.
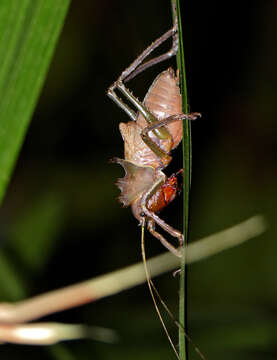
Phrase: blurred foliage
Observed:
(61, 223)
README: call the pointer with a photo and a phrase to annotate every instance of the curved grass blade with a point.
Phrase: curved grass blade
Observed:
(126, 278)
(28, 35)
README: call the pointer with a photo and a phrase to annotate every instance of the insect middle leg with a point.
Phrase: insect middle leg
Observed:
(154, 127)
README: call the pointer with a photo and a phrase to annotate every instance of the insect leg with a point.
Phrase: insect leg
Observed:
(164, 156)
(152, 216)
(151, 229)
(153, 146)
(136, 67)
(112, 95)
(168, 228)
(161, 132)
(166, 121)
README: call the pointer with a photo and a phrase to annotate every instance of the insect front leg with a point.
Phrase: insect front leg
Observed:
(112, 95)
(137, 67)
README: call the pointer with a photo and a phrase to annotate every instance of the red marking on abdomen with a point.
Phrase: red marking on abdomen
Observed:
(164, 195)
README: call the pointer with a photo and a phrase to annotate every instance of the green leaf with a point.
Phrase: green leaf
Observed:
(28, 34)
(40, 223)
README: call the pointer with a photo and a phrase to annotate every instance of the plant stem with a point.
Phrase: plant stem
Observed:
(183, 351)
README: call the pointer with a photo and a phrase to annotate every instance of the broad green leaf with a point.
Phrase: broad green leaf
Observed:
(29, 31)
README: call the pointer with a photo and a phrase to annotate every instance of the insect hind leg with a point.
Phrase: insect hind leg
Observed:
(164, 242)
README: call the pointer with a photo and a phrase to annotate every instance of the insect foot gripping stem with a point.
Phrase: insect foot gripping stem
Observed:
(192, 116)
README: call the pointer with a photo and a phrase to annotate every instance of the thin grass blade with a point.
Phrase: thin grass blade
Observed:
(186, 184)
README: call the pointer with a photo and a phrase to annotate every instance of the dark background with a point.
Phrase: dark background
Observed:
(61, 223)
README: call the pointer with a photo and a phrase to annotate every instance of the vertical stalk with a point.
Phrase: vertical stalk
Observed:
(183, 349)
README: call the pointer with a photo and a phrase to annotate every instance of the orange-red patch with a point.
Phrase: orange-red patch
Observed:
(164, 195)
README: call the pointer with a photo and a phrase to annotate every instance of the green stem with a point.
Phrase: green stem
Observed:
(183, 349)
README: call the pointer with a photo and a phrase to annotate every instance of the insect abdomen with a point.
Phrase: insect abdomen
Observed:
(163, 99)
(164, 195)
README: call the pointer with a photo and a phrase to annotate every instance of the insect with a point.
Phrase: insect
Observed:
(154, 130)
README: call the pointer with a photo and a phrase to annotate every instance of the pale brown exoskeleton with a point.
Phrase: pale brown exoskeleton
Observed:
(154, 131)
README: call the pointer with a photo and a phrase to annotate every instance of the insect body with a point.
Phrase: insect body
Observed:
(154, 131)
